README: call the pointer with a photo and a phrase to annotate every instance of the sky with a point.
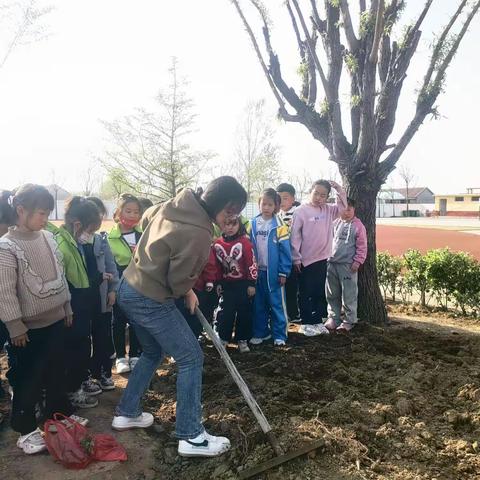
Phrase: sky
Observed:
(104, 58)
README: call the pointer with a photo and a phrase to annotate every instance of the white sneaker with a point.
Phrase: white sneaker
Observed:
(32, 442)
(313, 330)
(279, 343)
(144, 420)
(204, 445)
(80, 399)
(258, 340)
(122, 365)
(133, 361)
(243, 346)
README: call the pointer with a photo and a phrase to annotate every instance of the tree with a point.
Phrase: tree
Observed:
(89, 179)
(256, 164)
(114, 184)
(20, 24)
(408, 178)
(150, 149)
(377, 66)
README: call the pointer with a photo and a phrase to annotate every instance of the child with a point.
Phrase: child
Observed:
(271, 245)
(123, 239)
(35, 308)
(288, 205)
(6, 220)
(237, 272)
(75, 240)
(312, 235)
(349, 253)
(101, 366)
(207, 302)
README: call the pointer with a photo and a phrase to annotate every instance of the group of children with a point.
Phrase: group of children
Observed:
(57, 291)
(291, 262)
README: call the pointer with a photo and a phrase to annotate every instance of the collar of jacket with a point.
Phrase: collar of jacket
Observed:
(115, 232)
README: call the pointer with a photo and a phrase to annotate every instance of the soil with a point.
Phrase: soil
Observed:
(394, 403)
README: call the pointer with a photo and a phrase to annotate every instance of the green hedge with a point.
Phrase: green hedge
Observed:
(449, 278)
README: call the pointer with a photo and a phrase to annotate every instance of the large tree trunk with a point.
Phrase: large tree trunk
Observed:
(370, 301)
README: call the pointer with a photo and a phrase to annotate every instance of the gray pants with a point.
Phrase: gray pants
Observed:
(342, 291)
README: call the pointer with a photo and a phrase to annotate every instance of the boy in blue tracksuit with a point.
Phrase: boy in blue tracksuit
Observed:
(271, 243)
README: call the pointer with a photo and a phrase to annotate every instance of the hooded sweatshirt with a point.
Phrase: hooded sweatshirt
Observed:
(312, 231)
(173, 249)
(349, 242)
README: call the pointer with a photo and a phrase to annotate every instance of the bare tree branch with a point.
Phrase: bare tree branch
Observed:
(379, 23)
(352, 39)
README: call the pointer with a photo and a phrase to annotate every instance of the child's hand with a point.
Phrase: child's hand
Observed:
(335, 185)
(191, 301)
(355, 266)
(208, 287)
(68, 321)
(219, 290)
(251, 291)
(111, 299)
(107, 276)
(298, 267)
(20, 340)
(282, 280)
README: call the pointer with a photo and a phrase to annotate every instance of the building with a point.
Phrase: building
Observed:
(417, 195)
(459, 204)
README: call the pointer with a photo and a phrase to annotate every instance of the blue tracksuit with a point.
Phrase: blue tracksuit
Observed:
(270, 296)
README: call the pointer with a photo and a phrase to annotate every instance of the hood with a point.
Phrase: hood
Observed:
(185, 208)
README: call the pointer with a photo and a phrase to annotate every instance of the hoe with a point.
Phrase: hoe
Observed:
(280, 456)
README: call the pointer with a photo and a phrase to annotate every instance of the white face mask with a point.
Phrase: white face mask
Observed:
(85, 238)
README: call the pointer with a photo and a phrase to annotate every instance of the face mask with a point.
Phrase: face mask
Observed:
(85, 238)
(127, 223)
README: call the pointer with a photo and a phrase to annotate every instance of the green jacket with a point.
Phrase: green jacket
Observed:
(217, 233)
(119, 247)
(75, 268)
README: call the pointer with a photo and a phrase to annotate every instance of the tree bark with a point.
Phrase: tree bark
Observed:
(370, 302)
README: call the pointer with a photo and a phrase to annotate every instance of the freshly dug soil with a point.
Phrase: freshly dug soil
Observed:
(394, 403)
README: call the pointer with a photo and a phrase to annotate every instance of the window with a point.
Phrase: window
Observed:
(459, 199)
(475, 199)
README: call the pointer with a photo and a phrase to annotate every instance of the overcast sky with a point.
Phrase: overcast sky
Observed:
(106, 57)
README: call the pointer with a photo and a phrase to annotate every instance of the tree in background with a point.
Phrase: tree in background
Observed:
(256, 164)
(20, 24)
(376, 66)
(114, 184)
(408, 178)
(151, 149)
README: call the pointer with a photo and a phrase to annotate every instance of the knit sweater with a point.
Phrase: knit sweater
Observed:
(34, 292)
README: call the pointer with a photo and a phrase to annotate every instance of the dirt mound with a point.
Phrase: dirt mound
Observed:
(401, 403)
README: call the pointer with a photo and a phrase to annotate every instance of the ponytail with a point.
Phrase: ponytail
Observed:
(7, 214)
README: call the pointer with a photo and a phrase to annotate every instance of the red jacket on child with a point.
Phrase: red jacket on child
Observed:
(209, 273)
(235, 259)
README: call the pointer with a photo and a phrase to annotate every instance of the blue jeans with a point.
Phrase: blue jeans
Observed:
(161, 329)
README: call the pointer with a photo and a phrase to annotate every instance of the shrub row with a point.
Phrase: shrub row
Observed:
(441, 275)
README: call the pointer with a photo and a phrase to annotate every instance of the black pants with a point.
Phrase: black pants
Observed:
(120, 322)
(37, 366)
(102, 346)
(313, 300)
(236, 310)
(291, 292)
(78, 344)
(207, 303)
(4, 337)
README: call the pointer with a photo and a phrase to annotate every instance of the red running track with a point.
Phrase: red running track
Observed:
(397, 240)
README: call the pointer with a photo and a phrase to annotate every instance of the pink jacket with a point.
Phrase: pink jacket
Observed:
(312, 231)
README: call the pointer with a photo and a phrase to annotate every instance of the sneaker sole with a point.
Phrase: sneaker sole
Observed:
(85, 406)
(107, 389)
(94, 394)
(131, 427)
(204, 454)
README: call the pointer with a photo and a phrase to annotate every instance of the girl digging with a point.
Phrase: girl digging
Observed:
(35, 308)
(270, 238)
(237, 274)
(75, 240)
(101, 366)
(123, 240)
(312, 238)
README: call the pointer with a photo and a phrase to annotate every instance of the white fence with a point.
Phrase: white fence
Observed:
(386, 210)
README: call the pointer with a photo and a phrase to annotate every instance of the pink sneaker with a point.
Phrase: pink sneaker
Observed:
(344, 327)
(330, 324)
